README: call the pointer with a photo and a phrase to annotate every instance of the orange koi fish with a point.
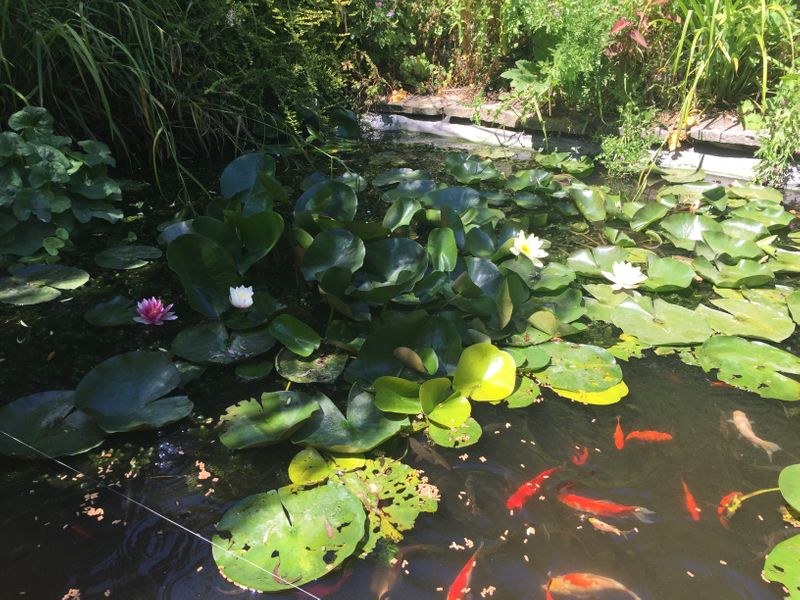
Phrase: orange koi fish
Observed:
(460, 586)
(585, 585)
(604, 508)
(619, 437)
(528, 489)
(579, 458)
(728, 506)
(648, 436)
(691, 505)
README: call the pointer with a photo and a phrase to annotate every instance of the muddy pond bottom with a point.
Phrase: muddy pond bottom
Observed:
(66, 535)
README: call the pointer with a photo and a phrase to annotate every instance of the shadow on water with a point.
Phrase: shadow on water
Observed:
(62, 532)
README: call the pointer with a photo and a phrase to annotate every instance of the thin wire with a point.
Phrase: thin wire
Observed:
(277, 577)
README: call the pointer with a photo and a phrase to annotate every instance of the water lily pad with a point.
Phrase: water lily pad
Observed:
(660, 323)
(744, 229)
(35, 284)
(293, 536)
(579, 368)
(650, 213)
(210, 343)
(112, 313)
(460, 199)
(442, 249)
(253, 371)
(593, 261)
(526, 393)
(753, 191)
(49, 422)
(465, 435)
(470, 169)
(319, 367)
(397, 395)
(610, 396)
(392, 266)
(685, 229)
(126, 257)
(667, 275)
(484, 372)
(364, 427)
(307, 467)
(333, 248)
(789, 482)
(745, 273)
(553, 278)
(442, 405)
(748, 319)
(591, 201)
(273, 418)
(401, 213)
(782, 565)
(730, 249)
(126, 392)
(754, 366)
(294, 334)
(677, 175)
(240, 174)
(330, 198)
(531, 358)
(531, 179)
(393, 176)
(770, 214)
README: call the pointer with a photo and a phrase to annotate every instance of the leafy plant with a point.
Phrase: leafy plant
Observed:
(779, 150)
(628, 152)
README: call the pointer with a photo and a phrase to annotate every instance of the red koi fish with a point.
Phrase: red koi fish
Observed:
(585, 585)
(460, 586)
(579, 458)
(648, 436)
(604, 508)
(528, 489)
(619, 437)
(691, 505)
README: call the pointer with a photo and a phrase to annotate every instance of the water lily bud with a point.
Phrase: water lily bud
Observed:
(242, 296)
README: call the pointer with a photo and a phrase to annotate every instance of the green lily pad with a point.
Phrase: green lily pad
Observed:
(591, 201)
(744, 229)
(294, 334)
(240, 174)
(442, 249)
(470, 169)
(364, 427)
(785, 261)
(745, 273)
(401, 213)
(460, 199)
(579, 368)
(392, 266)
(754, 366)
(748, 319)
(401, 175)
(484, 372)
(253, 371)
(442, 405)
(212, 344)
(333, 248)
(531, 358)
(467, 434)
(667, 275)
(685, 229)
(789, 482)
(49, 422)
(331, 198)
(526, 393)
(593, 261)
(752, 191)
(553, 278)
(292, 536)
(397, 395)
(782, 565)
(660, 323)
(770, 214)
(677, 175)
(126, 257)
(273, 418)
(307, 467)
(318, 367)
(730, 249)
(126, 392)
(531, 179)
(648, 214)
(112, 313)
(35, 284)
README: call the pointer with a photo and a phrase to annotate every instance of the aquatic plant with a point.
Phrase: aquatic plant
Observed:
(151, 311)
(241, 297)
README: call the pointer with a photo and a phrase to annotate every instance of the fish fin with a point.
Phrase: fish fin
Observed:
(643, 514)
(770, 448)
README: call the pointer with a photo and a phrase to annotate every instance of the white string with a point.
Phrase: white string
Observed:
(277, 577)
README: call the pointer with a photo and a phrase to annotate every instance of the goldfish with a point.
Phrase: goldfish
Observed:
(691, 505)
(460, 586)
(746, 431)
(528, 489)
(728, 506)
(648, 436)
(619, 437)
(579, 458)
(607, 527)
(585, 585)
(604, 508)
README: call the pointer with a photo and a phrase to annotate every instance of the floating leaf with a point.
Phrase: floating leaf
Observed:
(292, 536)
(591, 201)
(126, 392)
(49, 422)
(330, 198)
(782, 565)
(485, 372)
(126, 257)
(754, 366)
(253, 371)
(610, 396)
(442, 249)
(393, 176)
(470, 169)
(465, 435)
(668, 275)
(240, 174)
(685, 229)
(753, 191)
(748, 319)
(392, 266)
(579, 368)
(443, 406)
(35, 284)
(294, 334)
(397, 395)
(308, 467)
(553, 278)
(745, 273)
(459, 199)
(333, 248)
(210, 343)
(319, 367)
(526, 393)
(789, 482)
(729, 249)
(659, 323)
(532, 179)
(593, 262)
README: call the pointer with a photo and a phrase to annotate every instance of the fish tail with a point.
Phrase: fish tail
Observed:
(770, 448)
(644, 515)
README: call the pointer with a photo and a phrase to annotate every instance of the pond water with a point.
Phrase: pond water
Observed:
(63, 532)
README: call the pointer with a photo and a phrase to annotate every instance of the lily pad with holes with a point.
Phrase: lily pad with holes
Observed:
(579, 368)
(266, 421)
(127, 392)
(288, 538)
(212, 344)
(466, 434)
(126, 257)
(782, 565)
(35, 284)
(49, 422)
(319, 367)
(754, 366)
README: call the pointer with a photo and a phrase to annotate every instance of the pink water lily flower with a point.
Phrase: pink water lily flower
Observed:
(153, 312)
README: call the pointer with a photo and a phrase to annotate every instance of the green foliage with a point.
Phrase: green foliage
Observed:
(780, 149)
(48, 187)
(627, 153)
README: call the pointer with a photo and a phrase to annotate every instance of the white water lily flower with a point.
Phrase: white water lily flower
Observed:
(625, 276)
(530, 246)
(242, 296)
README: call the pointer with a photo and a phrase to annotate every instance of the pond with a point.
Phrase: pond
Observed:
(134, 516)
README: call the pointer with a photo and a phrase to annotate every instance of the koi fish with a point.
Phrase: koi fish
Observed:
(648, 435)
(728, 506)
(691, 505)
(528, 489)
(619, 437)
(607, 527)
(460, 586)
(585, 585)
(746, 431)
(604, 508)
(579, 458)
